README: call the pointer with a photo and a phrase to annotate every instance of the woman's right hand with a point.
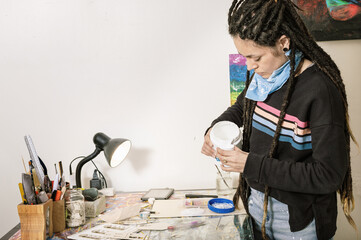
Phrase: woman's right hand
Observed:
(207, 148)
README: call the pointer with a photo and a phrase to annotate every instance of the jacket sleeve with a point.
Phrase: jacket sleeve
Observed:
(322, 172)
(234, 113)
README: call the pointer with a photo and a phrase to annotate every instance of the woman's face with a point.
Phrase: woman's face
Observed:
(263, 60)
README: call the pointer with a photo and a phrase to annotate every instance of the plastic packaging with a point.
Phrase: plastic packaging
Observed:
(144, 214)
(196, 202)
(186, 225)
(75, 208)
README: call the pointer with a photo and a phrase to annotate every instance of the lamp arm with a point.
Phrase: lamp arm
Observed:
(81, 164)
(70, 169)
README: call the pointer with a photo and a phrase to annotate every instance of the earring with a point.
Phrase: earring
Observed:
(285, 49)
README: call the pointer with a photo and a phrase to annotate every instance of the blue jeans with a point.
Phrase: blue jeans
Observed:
(277, 226)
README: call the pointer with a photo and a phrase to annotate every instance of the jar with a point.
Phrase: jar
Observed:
(75, 208)
(224, 183)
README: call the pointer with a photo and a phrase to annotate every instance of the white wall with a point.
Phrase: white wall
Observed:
(347, 55)
(155, 72)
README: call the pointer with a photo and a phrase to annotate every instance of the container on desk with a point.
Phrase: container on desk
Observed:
(58, 216)
(224, 185)
(75, 208)
(96, 207)
(36, 220)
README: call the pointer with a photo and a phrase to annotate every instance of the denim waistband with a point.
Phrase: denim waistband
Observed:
(273, 204)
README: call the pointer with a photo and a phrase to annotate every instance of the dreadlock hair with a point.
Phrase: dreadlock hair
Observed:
(264, 22)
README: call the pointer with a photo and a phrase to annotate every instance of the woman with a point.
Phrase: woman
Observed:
(295, 154)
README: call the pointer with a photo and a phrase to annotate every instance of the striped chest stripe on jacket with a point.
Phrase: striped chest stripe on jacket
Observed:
(294, 131)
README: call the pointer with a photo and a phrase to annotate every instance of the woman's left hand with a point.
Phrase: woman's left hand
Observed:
(232, 160)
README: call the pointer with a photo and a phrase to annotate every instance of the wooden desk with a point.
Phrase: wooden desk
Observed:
(216, 227)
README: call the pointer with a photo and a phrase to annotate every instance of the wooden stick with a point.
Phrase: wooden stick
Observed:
(24, 164)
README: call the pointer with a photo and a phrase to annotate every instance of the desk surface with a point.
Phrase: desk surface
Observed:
(216, 227)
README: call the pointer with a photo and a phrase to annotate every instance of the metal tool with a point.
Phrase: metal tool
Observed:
(221, 175)
(35, 160)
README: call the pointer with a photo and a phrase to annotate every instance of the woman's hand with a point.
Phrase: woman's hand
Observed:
(232, 160)
(207, 148)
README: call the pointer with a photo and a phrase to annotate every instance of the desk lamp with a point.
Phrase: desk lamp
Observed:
(115, 151)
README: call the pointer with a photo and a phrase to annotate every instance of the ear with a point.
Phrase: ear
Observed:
(283, 42)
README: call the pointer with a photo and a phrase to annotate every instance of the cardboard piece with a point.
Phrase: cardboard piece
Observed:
(36, 220)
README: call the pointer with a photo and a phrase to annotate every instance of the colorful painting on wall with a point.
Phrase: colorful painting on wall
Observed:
(237, 75)
(331, 19)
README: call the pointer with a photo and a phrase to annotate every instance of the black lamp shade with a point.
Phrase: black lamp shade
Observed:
(116, 150)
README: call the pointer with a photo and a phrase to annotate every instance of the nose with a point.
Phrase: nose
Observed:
(251, 65)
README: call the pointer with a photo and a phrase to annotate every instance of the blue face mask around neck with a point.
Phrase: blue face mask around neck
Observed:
(260, 87)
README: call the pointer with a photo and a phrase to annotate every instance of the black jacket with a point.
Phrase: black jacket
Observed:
(311, 160)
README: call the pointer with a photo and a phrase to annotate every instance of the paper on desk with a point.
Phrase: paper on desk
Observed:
(119, 214)
(109, 231)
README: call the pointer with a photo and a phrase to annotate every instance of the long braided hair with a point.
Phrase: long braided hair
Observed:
(264, 22)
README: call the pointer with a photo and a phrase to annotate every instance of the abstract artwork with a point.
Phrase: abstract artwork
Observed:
(237, 75)
(331, 19)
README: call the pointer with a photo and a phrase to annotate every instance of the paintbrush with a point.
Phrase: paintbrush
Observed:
(218, 223)
(24, 164)
(221, 175)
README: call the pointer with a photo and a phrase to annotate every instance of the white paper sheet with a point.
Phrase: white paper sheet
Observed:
(119, 214)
